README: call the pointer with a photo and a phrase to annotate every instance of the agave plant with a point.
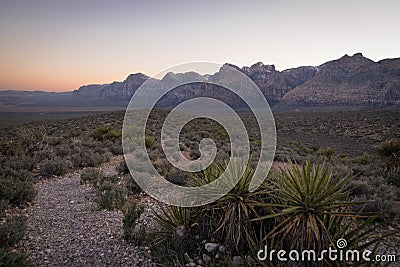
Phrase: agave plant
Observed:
(305, 198)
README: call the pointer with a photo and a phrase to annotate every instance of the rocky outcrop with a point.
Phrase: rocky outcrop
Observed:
(350, 80)
(113, 91)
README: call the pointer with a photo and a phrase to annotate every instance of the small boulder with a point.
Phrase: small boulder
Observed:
(210, 247)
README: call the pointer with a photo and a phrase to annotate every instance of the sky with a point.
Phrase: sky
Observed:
(59, 45)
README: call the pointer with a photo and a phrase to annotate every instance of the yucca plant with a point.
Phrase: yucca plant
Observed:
(304, 197)
(359, 235)
(233, 212)
(175, 225)
(390, 153)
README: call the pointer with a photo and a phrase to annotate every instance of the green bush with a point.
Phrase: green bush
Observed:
(358, 188)
(12, 231)
(17, 190)
(91, 175)
(394, 179)
(132, 186)
(52, 167)
(177, 177)
(11, 258)
(149, 141)
(328, 153)
(22, 162)
(104, 132)
(3, 207)
(122, 167)
(131, 216)
(388, 149)
(88, 158)
(110, 196)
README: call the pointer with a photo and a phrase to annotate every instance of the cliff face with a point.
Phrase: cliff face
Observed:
(113, 91)
(275, 84)
(350, 80)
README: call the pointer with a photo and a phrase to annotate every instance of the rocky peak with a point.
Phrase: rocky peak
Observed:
(261, 68)
(349, 80)
(136, 77)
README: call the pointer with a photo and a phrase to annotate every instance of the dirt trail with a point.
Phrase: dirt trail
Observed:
(62, 229)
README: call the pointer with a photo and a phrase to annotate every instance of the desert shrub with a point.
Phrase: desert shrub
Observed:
(12, 231)
(131, 216)
(394, 179)
(104, 132)
(91, 175)
(17, 190)
(149, 141)
(194, 154)
(52, 167)
(177, 177)
(122, 167)
(280, 157)
(358, 188)
(13, 259)
(328, 153)
(132, 186)
(10, 148)
(364, 159)
(3, 207)
(22, 162)
(62, 150)
(110, 196)
(32, 138)
(116, 149)
(388, 149)
(88, 158)
(383, 209)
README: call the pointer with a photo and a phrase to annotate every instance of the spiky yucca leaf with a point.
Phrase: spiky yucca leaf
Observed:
(390, 153)
(303, 198)
(175, 223)
(236, 209)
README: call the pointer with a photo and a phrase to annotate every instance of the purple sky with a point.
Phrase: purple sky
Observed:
(60, 45)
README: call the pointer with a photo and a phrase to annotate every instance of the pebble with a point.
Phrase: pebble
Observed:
(237, 261)
(206, 258)
(187, 258)
(210, 247)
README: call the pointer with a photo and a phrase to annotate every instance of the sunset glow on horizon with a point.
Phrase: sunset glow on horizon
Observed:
(61, 45)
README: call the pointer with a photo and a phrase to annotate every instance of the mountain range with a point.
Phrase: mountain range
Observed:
(350, 81)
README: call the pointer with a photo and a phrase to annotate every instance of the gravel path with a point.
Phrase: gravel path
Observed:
(62, 229)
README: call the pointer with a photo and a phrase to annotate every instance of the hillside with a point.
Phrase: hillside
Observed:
(350, 81)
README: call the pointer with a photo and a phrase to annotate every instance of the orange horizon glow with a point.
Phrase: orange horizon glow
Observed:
(61, 45)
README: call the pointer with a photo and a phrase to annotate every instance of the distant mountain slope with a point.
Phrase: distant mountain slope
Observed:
(348, 81)
(116, 90)
(354, 80)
